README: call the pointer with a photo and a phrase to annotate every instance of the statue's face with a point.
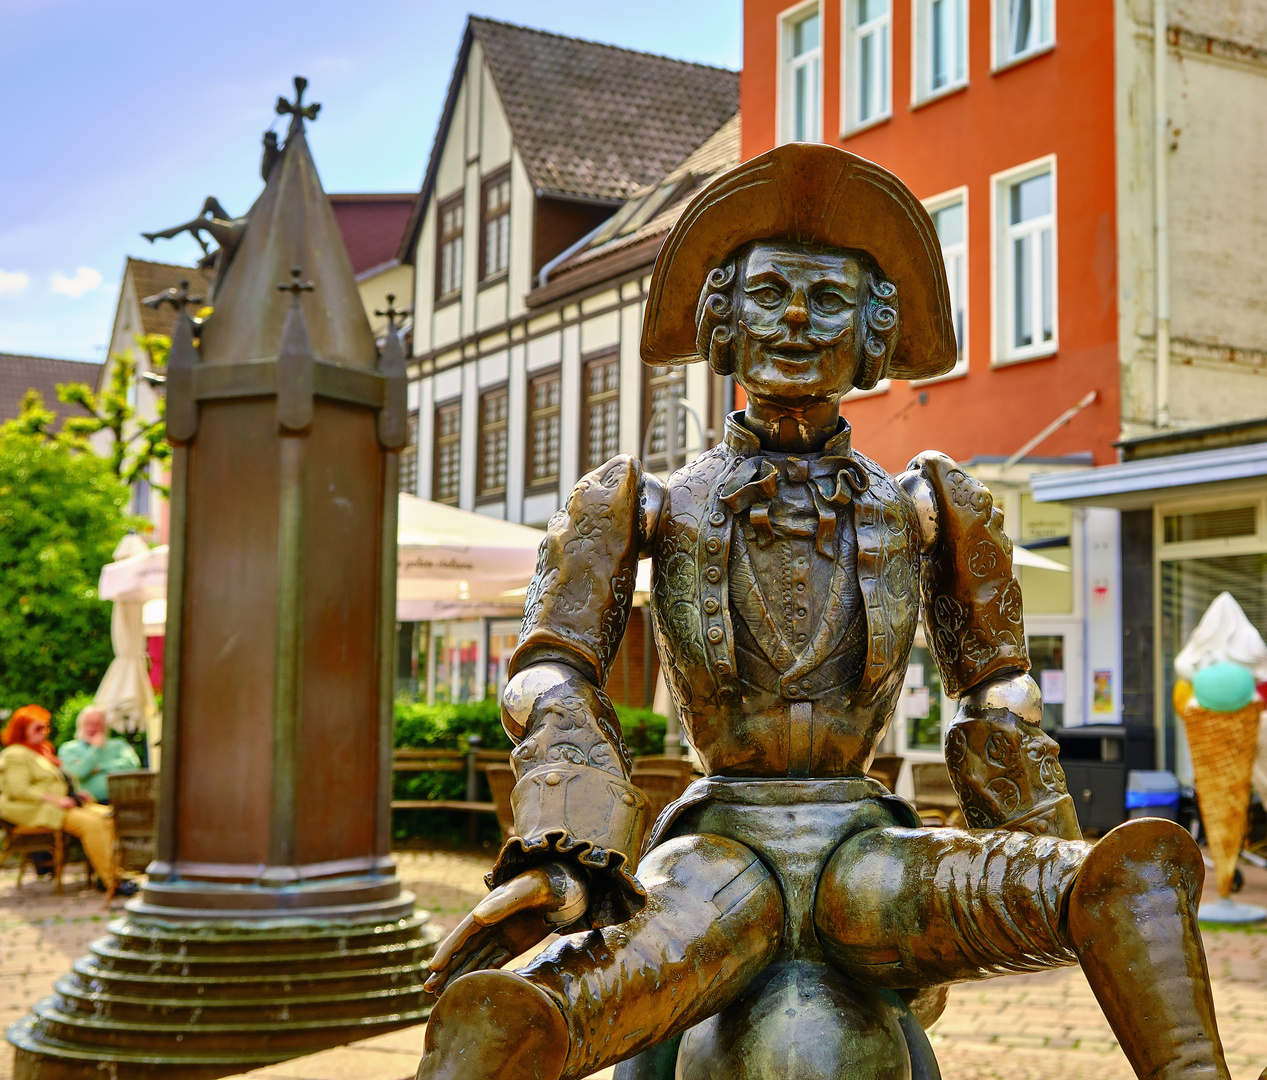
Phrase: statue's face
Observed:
(796, 323)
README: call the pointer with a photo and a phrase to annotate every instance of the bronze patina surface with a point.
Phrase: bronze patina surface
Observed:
(272, 922)
(790, 918)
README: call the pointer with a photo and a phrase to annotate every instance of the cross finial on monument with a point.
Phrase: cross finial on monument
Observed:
(297, 109)
(177, 296)
(294, 286)
(392, 311)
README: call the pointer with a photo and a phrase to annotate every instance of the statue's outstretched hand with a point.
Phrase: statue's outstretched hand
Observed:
(509, 920)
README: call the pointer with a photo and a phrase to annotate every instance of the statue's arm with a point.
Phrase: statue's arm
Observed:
(573, 801)
(1003, 766)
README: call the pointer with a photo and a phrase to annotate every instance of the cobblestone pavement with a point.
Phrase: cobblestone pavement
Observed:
(1045, 1026)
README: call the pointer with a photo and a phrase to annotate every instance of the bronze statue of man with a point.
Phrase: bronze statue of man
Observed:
(791, 918)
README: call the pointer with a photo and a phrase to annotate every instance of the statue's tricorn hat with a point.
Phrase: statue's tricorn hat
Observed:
(807, 193)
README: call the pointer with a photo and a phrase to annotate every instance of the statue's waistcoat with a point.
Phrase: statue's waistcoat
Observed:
(739, 732)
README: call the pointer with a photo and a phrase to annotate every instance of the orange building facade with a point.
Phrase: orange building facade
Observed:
(964, 103)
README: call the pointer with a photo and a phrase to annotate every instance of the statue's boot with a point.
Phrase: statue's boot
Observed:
(1132, 919)
(713, 920)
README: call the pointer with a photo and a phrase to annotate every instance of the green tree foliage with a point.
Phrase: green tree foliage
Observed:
(134, 443)
(61, 515)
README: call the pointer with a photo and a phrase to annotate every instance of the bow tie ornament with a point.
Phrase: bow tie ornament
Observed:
(833, 481)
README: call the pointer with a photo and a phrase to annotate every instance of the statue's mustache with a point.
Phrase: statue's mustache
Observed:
(776, 333)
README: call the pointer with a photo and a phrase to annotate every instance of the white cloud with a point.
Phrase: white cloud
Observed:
(13, 282)
(85, 280)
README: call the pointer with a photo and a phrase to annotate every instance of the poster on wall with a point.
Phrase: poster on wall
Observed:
(1102, 692)
(1053, 686)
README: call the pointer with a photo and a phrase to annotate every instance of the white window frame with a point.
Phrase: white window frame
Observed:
(1001, 307)
(1001, 54)
(812, 59)
(940, 202)
(850, 90)
(922, 89)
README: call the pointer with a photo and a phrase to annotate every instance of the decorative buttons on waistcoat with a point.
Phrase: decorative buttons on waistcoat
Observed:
(714, 634)
(713, 546)
(713, 574)
(717, 518)
(711, 606)
(722, 667)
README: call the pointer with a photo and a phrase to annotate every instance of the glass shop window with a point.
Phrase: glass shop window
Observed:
(449, 249)
(1047, 668)
(802, 119)
(496, 227)
(494, 441)
(600, 426)
(456, 657)
(446, 483)
(503, 636)
(941, 46)
(868, 62)
(1023, 27)
(922, 702)
(1027, 259)
(544, 430)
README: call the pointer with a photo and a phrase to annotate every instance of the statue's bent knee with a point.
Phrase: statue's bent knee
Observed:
(713, 919)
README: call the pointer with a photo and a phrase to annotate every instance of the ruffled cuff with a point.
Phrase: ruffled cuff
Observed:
(586, 816)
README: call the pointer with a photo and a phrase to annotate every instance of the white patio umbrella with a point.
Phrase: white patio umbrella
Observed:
(450, 564)
(455, 564)
(125, 694)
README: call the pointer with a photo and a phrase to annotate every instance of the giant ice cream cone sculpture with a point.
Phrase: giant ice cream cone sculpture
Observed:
(1222, 745)
(1220, 706)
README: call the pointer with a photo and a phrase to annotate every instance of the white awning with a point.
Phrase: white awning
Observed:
(1135, 484)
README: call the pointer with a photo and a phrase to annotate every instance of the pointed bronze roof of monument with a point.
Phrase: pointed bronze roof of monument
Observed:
(291, 225)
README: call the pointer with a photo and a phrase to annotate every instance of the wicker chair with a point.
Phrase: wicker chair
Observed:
(660, 763)
(134, 797)
(662, 779)
(935, 796)
(501, 781)
(26, 841)
(886, 768)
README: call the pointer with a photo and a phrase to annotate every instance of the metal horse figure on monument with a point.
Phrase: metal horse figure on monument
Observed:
(791, 918)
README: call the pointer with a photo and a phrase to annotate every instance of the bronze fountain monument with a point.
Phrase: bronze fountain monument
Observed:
(272, 922)
(788, 917)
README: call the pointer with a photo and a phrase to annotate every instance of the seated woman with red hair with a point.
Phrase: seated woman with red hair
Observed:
(36, 792)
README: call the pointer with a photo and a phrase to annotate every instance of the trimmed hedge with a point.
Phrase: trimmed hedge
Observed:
(449, 727)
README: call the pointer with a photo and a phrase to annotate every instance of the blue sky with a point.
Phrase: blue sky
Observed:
(121, 117)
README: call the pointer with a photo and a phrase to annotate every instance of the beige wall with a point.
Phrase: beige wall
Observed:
(1217, 177)
(374, 287)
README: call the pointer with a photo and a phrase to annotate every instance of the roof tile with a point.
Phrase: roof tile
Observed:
(599, 121)
(18, 374)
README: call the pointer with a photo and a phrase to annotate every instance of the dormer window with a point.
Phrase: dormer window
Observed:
(449, 249)
(495, 245)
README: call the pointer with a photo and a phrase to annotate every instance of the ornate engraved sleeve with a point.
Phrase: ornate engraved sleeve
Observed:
(573, 800)
(1003, 766)
(580, 596)
(972, 603)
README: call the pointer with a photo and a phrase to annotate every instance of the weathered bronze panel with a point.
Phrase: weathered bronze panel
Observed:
(226, 755)
(337, 748)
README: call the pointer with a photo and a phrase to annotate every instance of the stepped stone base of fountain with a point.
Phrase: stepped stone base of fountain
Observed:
(203, 999)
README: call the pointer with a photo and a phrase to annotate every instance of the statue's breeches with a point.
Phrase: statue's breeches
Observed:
(905, 908)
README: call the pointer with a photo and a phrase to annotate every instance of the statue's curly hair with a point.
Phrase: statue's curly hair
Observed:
(878, 307)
